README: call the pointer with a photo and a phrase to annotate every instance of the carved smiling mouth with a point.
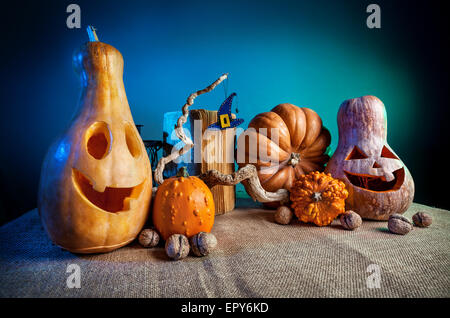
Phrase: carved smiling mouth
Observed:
(377, 183)
(111, 199)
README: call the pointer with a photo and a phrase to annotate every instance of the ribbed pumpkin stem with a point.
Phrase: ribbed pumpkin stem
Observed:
(182, 172)
(294, 159)
(91, 33)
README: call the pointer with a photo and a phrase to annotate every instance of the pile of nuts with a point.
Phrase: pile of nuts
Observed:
(178, 246)
(398, 224)
(350, 220)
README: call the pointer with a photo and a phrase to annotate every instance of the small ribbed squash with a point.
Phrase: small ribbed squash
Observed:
(183, 205)
(318, 198)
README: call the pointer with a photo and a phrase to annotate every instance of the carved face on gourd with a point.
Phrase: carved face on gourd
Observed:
(95, 186)
(379, 183)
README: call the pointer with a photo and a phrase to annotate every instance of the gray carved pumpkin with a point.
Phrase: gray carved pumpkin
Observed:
(378, 182)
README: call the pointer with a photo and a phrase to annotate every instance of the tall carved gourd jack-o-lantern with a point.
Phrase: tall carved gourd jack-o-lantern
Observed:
(95, 186)
(378, 182)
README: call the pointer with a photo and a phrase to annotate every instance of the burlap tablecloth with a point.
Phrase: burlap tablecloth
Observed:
(255, 258)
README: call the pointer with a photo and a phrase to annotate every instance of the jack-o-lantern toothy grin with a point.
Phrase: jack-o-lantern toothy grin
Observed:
(377, 183)
(111, 199)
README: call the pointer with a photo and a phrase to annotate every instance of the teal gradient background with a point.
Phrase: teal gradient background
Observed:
(312, 54)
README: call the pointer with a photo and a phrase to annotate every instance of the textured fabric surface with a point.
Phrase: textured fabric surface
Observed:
(255, 257)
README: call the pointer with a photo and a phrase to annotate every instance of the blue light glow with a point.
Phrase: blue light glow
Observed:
(62, 152)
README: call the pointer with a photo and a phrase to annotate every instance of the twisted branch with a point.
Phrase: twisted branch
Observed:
(253, 185)
(180, 131)
(213, 177)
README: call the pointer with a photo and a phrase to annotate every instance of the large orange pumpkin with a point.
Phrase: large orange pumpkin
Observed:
(183, 205)
(95, 185)
(301, 146)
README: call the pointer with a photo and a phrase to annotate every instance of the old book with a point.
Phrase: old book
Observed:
(214, 150)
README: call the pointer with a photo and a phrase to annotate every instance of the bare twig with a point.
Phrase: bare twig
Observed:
(180, 131)
(248, 175)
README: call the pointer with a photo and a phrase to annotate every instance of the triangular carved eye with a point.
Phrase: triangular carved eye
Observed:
(386, 153)
(356, 154)
(376, 165)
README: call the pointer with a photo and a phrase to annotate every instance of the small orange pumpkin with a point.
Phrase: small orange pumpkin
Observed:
(183, 205)
(318, 198)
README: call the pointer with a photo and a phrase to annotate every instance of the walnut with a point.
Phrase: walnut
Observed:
(283, 215)
(148, 238)
(177, 246)
(399, 224)
(350, 220)
(203, 243)
(422, 219)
